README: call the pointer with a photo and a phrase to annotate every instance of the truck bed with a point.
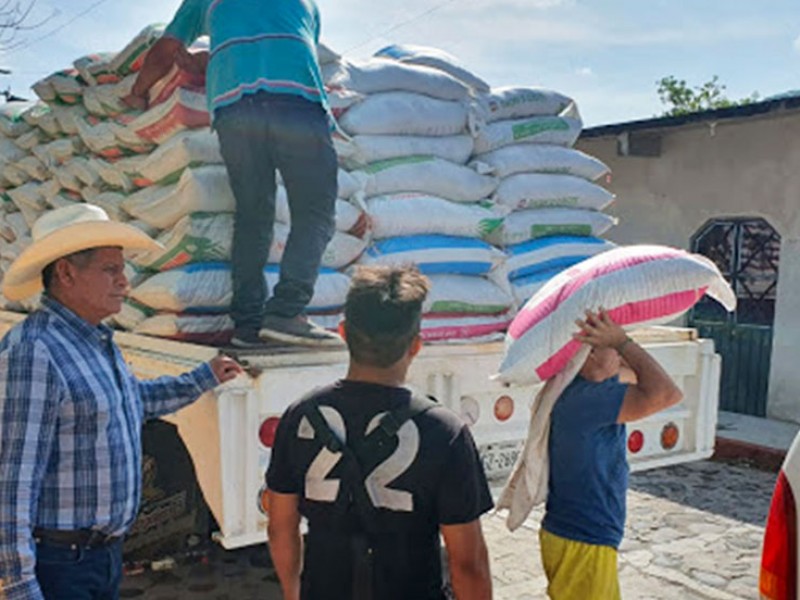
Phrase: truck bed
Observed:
(228, 433)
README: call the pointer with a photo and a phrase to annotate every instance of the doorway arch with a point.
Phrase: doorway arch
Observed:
(747, 252)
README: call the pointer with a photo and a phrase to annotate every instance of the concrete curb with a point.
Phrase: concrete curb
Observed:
(760, 457)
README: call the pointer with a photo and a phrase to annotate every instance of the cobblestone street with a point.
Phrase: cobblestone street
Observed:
(694, 532)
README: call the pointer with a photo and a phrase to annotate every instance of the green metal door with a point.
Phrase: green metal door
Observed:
(745, 351)
(747, 253)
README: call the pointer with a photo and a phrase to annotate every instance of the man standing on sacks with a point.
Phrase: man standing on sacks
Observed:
(269, 108)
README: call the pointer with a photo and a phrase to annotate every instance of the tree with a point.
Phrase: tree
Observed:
(682, 99)
(16, 17)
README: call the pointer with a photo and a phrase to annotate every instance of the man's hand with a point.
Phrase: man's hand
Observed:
(192, 62)
(135, 102)
(225, 368)
(159, 60)
(361, 226)
(599, 331)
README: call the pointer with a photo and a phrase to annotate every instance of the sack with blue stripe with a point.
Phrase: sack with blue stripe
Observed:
(435, 254)
(552, 254)
(208, 288)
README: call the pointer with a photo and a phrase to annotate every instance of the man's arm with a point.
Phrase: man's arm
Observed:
(167, 394)
(195, 63)
(159, 60)
(468, 559)
(654, 389)
(187, 25)
(463, 496)
(285, 543)
(30, 395)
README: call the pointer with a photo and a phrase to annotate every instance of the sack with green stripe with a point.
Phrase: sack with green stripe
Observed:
(542, 190)
(559, 131)
(186, 149)
(466, 295)
(396, 215)
(428, 175)
(530, 224)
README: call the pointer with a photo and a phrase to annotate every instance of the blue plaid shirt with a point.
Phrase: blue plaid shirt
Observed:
(71, 414)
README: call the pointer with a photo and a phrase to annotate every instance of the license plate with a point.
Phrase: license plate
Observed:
(499, 459)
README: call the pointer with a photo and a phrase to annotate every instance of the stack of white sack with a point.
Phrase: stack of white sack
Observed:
(21, 176)
(160, 170)
(47, 147)
(409, 116)
(443, 165)
(526, 141)
(191, 302)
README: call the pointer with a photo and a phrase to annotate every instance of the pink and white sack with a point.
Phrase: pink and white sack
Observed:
(637, 285)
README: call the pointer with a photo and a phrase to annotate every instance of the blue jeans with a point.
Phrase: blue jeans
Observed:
(259, 134)
(64, 573)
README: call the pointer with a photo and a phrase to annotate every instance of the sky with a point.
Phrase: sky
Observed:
(606, 54)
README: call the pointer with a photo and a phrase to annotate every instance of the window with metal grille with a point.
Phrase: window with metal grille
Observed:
(747, 252)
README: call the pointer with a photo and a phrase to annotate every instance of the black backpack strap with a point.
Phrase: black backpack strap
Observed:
(353, 483)
(391, 423)
(321, 428)
(353, 472)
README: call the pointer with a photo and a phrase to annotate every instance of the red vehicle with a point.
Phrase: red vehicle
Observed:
(779, 567)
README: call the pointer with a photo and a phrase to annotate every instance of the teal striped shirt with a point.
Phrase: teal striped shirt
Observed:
(256, 45)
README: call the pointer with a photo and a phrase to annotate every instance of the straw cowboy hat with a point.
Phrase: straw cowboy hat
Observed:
(61, 232)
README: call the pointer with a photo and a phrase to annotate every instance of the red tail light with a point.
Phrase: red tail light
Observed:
(266, 433)
(670, 436)
(778, 579)
(635, 441)
(503, 408)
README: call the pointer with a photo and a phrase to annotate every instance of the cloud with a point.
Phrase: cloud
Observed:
(797, 44)
(584, 72)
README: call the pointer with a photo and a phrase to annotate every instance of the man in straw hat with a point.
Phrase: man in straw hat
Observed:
(71, 412)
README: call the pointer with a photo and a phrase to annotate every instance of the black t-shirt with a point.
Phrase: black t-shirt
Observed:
(431, 476)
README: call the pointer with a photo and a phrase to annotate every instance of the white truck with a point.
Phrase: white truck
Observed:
(229, 432)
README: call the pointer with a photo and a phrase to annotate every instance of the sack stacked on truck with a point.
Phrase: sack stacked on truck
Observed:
(47, 147)
(23, 173)
(160, 169)
(196, 215)
(409, 129)
(556, 216)
(409, 135)
(192, 302)
(182, 189)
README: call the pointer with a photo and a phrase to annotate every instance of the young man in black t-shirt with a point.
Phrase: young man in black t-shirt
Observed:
(425, 480)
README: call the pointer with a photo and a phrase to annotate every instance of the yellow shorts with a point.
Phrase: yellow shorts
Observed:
(578, 571)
